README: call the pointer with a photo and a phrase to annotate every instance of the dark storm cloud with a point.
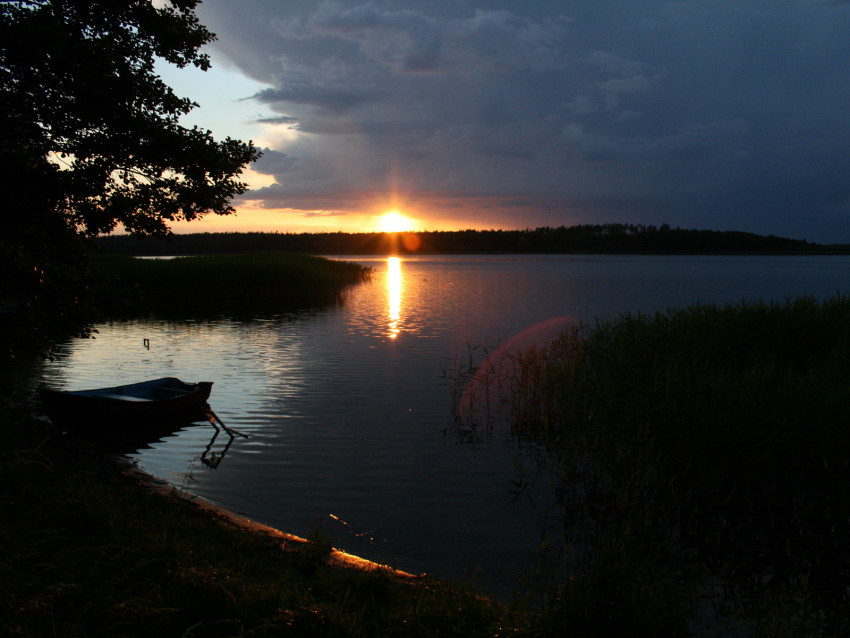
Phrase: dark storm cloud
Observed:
(276, 163)
(713, 114)
(280, 119)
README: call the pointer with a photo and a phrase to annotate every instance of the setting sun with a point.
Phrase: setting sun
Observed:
(395, 222)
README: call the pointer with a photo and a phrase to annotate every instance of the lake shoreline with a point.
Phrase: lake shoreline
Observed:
(347, 407)
(288, 543)
(345, 436)
(97, 547)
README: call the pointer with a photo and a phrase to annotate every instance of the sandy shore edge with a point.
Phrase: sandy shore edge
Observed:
(286, 542)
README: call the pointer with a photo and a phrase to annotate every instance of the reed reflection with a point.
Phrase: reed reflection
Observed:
(394, 285)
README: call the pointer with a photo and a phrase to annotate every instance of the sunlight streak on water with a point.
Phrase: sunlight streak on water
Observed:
(394, 286)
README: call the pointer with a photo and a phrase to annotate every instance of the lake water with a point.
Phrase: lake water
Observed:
(349, 412)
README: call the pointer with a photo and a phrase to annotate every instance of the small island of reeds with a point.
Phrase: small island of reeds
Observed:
(242, 283)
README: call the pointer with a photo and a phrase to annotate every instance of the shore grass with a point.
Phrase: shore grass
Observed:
(237, 283)
(702, 463)
(88, 551)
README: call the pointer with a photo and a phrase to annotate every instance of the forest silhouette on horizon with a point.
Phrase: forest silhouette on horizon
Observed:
(586, 238)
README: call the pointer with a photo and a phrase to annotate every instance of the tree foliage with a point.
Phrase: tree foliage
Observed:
(91, 135)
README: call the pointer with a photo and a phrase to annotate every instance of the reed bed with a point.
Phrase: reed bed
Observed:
(253, 283)
(701, 458)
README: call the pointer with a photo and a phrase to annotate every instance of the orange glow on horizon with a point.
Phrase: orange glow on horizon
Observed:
(362, 217)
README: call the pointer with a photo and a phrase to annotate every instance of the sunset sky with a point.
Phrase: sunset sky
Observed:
(728, 115)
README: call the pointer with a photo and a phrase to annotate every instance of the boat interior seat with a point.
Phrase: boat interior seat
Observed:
(123, 397)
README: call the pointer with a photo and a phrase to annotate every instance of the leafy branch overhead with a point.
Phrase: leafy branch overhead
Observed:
(91, 141)
(92, 133)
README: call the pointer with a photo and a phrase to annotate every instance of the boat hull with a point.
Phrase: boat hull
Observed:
(152, 407)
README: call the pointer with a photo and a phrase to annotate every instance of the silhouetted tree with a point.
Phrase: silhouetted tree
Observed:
(90, 138)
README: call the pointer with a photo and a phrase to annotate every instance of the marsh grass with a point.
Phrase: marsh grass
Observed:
(702, 458)
(242, 283)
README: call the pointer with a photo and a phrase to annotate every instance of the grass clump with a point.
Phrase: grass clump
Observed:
(702, 464)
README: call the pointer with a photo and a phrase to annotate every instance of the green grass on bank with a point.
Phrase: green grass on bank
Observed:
(702, 462)
(257, 282)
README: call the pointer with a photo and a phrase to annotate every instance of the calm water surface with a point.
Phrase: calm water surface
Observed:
(348, 409)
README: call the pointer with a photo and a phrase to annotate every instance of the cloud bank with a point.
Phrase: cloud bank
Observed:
(710, 114)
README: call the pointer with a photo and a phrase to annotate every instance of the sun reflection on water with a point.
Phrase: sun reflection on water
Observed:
(394, 283)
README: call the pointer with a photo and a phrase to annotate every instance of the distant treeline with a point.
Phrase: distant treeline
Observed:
(587, 238)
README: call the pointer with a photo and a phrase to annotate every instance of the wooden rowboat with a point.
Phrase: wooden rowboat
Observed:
(152, 406)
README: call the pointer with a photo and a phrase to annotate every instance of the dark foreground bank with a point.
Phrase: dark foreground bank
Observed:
(90, 550)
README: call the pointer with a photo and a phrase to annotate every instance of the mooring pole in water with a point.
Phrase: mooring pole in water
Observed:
(216, 422)
(146, 343)
(219, 425)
